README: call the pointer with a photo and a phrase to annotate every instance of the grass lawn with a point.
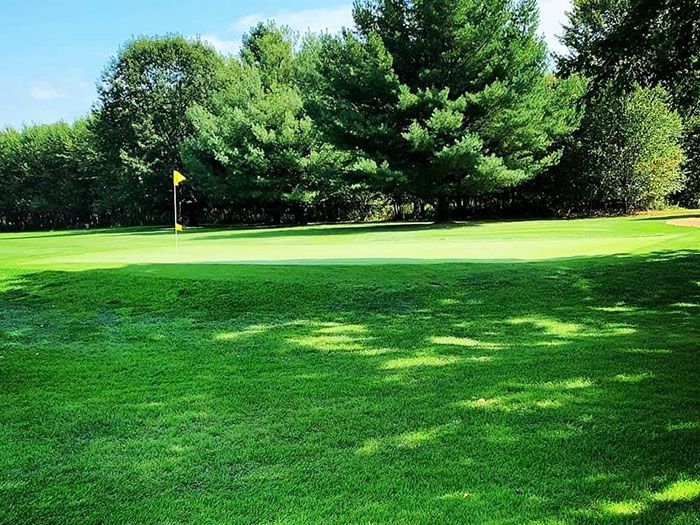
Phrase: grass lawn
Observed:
(504, 373)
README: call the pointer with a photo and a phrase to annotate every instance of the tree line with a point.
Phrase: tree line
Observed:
(425, 109)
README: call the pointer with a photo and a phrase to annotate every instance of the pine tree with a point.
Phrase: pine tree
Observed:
(441, 99)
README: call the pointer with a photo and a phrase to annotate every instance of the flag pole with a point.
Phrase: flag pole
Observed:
(177, 243)
(177, 179)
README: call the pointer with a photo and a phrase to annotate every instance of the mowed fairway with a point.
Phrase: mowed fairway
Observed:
(516, 372)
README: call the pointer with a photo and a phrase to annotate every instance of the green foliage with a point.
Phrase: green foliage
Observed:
(629, 153)
(256, 152)
(269, 49)
(426, 107)
(140, 120)
(650, 42)
(590, 26)
(354, 87)
(647, 42)
(690, 195)
(47, 179)
(449, 98)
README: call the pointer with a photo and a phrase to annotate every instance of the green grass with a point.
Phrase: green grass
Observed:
(520, 372)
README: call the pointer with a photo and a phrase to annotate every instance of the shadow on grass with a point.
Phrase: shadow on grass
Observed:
(666, 218)
(459, 393)
(247, 231)
(323, 230)
(141, 230)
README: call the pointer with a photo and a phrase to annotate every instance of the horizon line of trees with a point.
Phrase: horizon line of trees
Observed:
(426, 109)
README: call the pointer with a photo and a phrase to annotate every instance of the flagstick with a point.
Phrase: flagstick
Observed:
(177, 243)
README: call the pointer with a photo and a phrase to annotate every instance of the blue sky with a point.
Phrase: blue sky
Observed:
(53, 52)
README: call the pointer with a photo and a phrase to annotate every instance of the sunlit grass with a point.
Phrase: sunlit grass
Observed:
(685, 490)
(561, 390)
(624, 508)
(425, 360)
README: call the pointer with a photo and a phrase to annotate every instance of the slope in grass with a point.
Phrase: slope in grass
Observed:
(561, 391)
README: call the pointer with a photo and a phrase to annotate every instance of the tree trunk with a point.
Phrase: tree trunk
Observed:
(442, 209)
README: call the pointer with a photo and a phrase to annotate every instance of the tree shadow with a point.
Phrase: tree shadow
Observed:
(252, 231)
(666, 218)
(331, 229)
(127, 230)
(561, 390)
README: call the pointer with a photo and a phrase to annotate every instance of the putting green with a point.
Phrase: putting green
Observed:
(358, 244)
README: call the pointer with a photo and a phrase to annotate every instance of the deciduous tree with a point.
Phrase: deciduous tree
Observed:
(140, 120)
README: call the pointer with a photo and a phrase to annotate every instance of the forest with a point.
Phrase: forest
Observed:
(425, 109)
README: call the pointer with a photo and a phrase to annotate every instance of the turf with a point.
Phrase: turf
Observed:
(520, 372)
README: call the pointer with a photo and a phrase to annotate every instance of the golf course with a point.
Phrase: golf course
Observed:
(522, 372)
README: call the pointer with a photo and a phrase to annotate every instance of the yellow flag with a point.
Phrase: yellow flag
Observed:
(179, 227)
(178, 178)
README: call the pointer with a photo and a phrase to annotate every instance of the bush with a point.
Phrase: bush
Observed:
(628, 155)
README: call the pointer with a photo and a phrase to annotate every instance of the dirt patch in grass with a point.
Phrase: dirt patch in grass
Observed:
(688, 221)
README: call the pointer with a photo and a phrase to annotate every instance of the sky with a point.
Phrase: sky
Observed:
(54, 52)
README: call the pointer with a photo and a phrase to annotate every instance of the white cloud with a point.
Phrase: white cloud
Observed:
(552, 18)
(246, 22)
(45, 91)
(223, 46)
(333, 19)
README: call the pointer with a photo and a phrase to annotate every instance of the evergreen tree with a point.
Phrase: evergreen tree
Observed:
(443, 99)
(256, 152)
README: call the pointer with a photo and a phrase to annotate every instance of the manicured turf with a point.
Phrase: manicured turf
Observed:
(523, 372)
